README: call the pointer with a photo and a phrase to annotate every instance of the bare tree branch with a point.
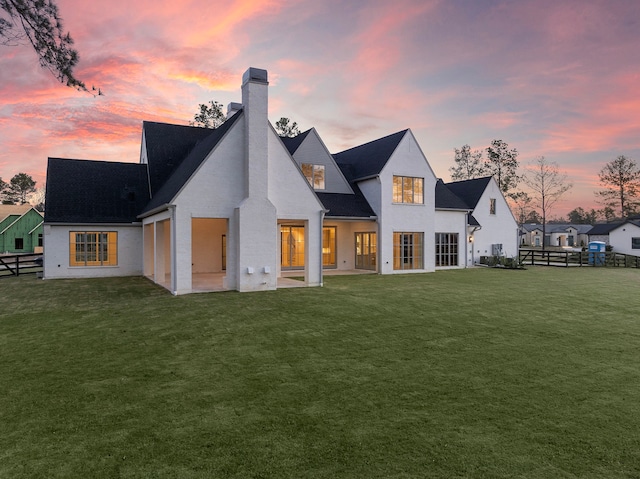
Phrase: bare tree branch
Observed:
(547, 185)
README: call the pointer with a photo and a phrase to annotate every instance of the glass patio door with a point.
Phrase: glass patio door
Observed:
(291, 247)
(366, 250)
(329, 247)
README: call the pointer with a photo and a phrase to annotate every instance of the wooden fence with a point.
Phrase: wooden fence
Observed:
(577, 258)
(15, 265)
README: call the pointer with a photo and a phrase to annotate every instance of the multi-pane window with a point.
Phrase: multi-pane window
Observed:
(314, 175)
(446, 249)
(407, 189)
(407, 250)
(93, 248)
(635, 243)
(492, 206)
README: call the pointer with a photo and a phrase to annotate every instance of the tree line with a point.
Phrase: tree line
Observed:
(545, 184)
(19, 190)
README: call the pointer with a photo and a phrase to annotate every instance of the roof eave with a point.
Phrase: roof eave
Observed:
(351, 218)
(154, 211)
(109, 223)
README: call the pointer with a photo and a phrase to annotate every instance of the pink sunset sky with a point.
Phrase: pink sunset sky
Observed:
(553, 78)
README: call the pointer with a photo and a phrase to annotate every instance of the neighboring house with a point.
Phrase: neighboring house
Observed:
(493, 230)
(531, 235)
(625, 237)
(601, 231)
(563, 235)
(241, 206)
(568, 235)
(21, 228)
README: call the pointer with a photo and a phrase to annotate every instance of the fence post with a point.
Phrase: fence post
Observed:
(17, 265)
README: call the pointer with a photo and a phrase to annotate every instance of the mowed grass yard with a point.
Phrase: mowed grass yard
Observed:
(469, 373)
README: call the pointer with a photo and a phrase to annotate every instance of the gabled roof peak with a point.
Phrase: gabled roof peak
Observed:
(470, 190)
(292, 143)
(370, 158)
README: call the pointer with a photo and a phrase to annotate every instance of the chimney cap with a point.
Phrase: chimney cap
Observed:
(256, 75)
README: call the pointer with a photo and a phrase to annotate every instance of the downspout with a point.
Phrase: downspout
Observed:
(322, 213)
(467, 238)
(174, 260)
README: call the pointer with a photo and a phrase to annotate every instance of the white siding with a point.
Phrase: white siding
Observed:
(620, 239)
(455, 222)
(56, 252)
(499, 228)
(406, 160)
(294, 200)
(214, 191)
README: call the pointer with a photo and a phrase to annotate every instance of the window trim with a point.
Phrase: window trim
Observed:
(104, 252)
(317, 173)
(408, 242)
(447, 252)
(635, 240)
(400, 190)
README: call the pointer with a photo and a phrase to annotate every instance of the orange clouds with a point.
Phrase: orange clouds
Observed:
(216, 81)
(222, 18)
(551, 78)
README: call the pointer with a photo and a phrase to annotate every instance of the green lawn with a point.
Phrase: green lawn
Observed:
(469, 373)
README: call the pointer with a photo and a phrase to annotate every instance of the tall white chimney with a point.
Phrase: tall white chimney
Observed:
(255, 102)
(256, 216)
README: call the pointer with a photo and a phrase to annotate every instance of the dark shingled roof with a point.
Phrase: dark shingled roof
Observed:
(181, 172)
(167, 146)
(603, 228)
(346, 205)
(368, 159)
(446, 199)
(472, 221)
(83, 191)
(293, 143)
(469, 191)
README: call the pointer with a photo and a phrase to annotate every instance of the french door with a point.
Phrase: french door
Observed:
(366, 250)
(291, 247)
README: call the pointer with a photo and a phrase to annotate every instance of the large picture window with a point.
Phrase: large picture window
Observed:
(93, 248)
(446, 249)
(407, 250)
(407, 189)
(314, 175)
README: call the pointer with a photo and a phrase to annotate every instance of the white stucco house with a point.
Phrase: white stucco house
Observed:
(240, 208)
(625, 237)
(492, 228)
(562, 235)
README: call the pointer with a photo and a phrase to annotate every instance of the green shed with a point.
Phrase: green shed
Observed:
(21, 229)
